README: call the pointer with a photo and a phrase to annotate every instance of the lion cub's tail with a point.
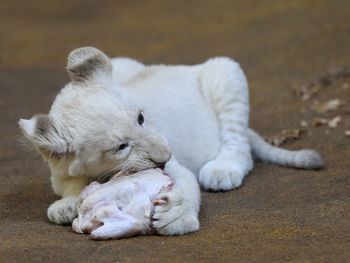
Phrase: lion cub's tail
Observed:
(265, 152)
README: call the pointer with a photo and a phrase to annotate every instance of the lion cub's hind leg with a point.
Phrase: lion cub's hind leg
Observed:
(224, 86)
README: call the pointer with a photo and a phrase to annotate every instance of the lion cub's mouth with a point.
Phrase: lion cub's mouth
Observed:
(105, 177)
(161, 166)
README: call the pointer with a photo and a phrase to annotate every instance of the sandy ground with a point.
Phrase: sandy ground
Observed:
(279, 214)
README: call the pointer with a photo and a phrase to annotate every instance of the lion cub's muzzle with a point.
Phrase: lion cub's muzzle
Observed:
(161, 165)
(160, 152)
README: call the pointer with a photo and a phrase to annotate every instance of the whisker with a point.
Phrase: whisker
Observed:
(138, 164)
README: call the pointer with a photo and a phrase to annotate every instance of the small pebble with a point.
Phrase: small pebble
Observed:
(304, 123)
(319, 121)
(333, 123)
(331, 105)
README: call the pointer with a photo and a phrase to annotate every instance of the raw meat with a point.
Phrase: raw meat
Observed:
(121, 207)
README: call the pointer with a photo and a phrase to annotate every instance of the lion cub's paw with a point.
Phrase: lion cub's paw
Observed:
(181, 226)
(171, 215)
(63, 211)
(219, 175)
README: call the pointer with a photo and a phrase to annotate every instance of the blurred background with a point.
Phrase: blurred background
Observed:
(41, 33)
(287, 49)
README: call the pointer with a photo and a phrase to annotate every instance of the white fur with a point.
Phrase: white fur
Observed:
(202, 111)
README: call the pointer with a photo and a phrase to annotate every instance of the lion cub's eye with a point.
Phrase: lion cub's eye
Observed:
(140, 119)
(120, 147)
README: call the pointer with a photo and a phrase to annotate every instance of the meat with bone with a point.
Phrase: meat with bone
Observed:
(121, 207)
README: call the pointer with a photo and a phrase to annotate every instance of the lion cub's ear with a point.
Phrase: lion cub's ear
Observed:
(86, 63)
(44, 135)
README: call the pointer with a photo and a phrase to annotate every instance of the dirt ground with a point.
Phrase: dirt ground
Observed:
(279, 214)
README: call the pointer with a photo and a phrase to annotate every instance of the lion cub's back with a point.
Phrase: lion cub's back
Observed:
(172, 101)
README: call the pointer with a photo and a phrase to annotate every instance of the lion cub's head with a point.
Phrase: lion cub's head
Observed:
(91, 128)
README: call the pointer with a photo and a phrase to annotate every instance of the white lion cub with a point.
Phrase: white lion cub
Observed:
(110, 118)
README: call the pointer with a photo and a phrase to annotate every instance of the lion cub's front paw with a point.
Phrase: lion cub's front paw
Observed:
(63, 211)
(219, 175)
(172, 216)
